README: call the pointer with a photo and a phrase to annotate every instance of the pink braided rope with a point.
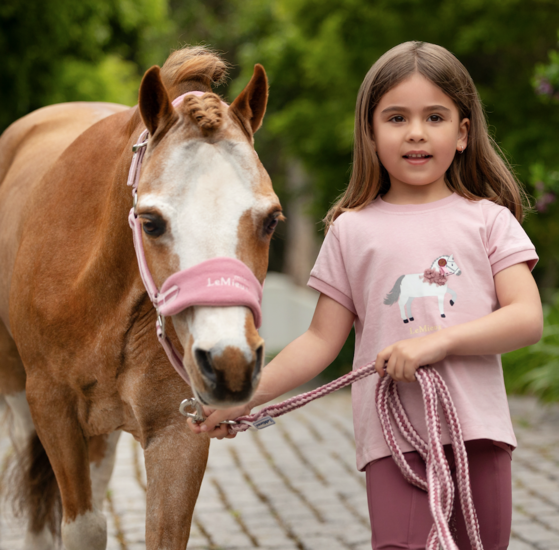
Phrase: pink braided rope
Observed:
(438, 483)
(298, 401)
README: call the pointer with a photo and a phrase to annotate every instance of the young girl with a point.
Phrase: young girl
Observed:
(425, 255)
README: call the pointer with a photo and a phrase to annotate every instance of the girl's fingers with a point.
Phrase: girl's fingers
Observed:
(391, 367)
(379, 366)
(207, 411)
(195, 428)
(381, 361)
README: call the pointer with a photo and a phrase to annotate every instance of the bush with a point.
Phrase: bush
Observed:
(535, 369)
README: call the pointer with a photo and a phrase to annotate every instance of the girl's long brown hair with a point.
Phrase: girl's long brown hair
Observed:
(480, 172)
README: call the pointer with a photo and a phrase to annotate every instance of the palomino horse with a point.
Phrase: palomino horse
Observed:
(79, 356)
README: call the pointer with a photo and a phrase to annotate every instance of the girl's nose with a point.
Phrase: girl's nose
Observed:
(416, 132)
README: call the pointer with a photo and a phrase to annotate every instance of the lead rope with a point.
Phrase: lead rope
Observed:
(438, 482)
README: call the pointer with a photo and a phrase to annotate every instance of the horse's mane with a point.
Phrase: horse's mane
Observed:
(189, 69)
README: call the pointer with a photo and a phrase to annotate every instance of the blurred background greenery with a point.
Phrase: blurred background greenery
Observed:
(316, 53)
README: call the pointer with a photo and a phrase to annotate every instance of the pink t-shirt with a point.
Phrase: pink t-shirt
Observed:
(408, 270)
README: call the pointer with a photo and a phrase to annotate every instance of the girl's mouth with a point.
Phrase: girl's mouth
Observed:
(417, 158)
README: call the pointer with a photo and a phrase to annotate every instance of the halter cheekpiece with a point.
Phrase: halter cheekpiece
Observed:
(216, 282)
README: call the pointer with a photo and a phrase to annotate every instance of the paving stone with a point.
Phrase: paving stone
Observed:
(307, 492)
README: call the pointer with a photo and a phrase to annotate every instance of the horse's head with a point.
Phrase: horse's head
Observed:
(204, 194)
(447, 265)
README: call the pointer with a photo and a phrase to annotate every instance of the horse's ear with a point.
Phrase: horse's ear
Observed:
(155, 106)
(250, 105)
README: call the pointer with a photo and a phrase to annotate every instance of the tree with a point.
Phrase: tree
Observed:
(62, 50)
(317, 53)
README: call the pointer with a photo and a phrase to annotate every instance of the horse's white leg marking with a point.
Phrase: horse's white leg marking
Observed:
(402, 304)
(38, 541)
(440, 297)
(23, 423)
(408, 308)
(453, 296)
(88, 530)
(23, 429)
(101, 473)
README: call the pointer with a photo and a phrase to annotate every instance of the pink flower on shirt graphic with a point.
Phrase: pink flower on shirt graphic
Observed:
(432, 282)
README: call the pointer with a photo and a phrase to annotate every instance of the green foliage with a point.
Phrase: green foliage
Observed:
(535, 369)
(63, 50)
(546, 78)
(317, 53)
(113, 79)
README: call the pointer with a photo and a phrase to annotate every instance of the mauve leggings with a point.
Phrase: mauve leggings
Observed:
(399, 511)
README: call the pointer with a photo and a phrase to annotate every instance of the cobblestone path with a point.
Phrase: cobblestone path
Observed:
(295, 486)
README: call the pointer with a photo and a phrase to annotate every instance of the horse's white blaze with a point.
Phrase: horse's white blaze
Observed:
(88, 530)
(23, 423)
(101, 474)
(203, 190)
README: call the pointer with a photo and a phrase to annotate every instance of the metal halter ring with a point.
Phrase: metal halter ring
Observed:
(138, 146)
(198, 416)
(161, 321)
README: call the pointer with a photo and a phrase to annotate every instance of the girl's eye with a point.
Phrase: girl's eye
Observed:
(153, 226)
(397, 118)
(435, 118)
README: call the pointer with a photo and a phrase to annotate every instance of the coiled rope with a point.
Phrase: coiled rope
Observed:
(438, 482)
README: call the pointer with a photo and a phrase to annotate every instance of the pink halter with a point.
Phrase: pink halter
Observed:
(214, 282)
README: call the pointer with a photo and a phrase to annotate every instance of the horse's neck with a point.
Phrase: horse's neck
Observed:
(111, 254)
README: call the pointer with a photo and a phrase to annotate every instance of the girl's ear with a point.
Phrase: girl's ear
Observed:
(463, 131)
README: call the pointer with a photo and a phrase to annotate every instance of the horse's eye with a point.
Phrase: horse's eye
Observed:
(271, 223)
(153, 226)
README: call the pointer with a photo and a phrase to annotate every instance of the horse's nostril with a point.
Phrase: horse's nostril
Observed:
(258, 362)
(204, 362)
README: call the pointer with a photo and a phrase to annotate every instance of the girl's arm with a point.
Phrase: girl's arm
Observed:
(518, 323)
(297, 363)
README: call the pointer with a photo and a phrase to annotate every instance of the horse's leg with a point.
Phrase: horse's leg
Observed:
(175, 464)
(102, 453)
(402, 303)
(453, 296)
(23, 437)
(12, 387)
(408, 308)
(440, 298)
(54, 411)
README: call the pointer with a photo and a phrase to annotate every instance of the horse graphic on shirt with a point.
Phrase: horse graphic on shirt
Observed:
(432, 282)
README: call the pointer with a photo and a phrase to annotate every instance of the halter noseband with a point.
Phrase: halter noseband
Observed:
(215, 282)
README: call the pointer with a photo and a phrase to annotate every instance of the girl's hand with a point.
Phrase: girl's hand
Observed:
(212, 426)
(403, 358)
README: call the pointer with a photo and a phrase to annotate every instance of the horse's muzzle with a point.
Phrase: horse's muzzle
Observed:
(227, 376)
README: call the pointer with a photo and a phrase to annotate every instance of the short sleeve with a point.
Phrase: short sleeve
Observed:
(329, 275)
(507, 242)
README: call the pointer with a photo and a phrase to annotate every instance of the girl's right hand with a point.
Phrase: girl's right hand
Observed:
(211, 425)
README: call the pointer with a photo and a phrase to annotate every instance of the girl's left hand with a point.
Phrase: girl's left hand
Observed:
(403, 358)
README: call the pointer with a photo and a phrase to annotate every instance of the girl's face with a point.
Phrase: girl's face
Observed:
(417, 131)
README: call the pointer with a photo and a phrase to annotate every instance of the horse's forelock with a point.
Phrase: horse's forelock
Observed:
(193, 69)
(206, 111)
